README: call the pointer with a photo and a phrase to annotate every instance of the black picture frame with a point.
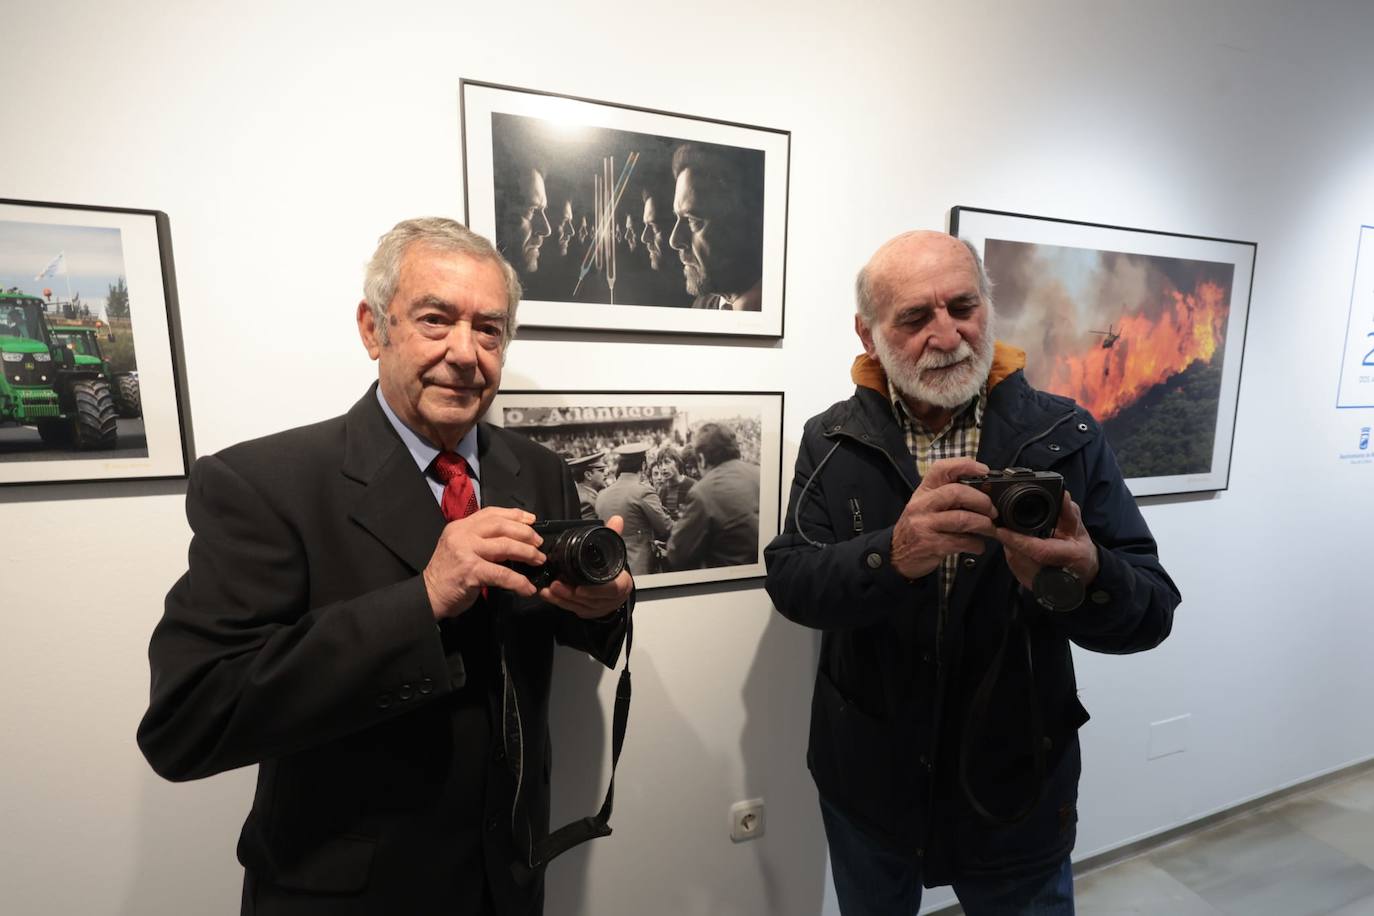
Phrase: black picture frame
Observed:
(724, 274)
(1144, 328)
(582, 425)
(90, 330)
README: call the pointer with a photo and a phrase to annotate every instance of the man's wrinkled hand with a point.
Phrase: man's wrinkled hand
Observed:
(1069, 547)
(592, 601)
(472, 553)
(942, 517)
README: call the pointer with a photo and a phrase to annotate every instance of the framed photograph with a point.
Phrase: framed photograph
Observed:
(626, 219)
(93, 385)
(696, 477)
(1143, 329)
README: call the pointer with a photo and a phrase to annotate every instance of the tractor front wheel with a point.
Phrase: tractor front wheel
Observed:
(95, 426)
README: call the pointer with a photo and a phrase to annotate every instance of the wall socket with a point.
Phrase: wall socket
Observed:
(746, 820)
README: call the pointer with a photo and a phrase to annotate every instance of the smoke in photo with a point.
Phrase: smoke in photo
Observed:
(1136, 339)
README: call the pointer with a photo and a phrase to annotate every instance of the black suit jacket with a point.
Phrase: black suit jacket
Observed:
(400, 763)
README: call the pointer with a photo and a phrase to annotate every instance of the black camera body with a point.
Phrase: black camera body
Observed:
(1026, 501)
(579, 552)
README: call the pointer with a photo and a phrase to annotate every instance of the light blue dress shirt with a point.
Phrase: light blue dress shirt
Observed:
(424, 452)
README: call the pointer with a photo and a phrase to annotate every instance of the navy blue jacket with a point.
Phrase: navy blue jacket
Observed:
(890, 713)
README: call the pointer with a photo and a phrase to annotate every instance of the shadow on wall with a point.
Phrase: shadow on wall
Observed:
(654, 862)
(581, 738)
(670, 853)
(777, 707)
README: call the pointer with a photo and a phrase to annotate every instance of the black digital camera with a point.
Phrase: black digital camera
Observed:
(579, 553)
(1026, 501)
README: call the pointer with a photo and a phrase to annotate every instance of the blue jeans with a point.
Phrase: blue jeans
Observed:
(872, 881)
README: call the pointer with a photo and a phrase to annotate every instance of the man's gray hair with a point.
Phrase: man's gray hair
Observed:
(866, 294)
(443, 234)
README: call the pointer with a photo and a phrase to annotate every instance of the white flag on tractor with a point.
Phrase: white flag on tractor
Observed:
(53, 267)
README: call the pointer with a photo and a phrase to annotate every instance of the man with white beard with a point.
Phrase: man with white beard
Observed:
(945, 714)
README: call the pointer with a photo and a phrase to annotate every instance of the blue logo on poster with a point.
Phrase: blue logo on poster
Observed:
(1364, 438)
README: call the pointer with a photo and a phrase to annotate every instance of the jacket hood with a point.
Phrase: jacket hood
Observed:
(867, 372)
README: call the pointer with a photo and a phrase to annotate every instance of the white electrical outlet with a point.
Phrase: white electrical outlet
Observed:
(746, 820)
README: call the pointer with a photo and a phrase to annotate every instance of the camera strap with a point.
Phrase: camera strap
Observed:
(590, 828)
(976, 724)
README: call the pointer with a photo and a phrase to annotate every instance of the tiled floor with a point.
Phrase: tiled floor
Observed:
(1308, 855)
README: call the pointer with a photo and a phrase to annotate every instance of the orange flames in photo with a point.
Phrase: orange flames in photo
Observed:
(1149, 351)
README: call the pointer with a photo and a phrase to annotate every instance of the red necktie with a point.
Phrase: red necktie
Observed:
(460, 498)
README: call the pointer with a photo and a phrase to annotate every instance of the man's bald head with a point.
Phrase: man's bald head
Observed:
(925, 315)
(904, 254)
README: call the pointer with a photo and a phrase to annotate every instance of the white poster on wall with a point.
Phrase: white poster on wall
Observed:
(1357, 365)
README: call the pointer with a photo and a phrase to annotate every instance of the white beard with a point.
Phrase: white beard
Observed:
(948, 388)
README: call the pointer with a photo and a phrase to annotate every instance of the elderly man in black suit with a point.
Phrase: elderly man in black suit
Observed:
(350, 621)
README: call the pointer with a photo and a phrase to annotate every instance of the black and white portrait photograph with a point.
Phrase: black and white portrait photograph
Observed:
(91, 387)
(620, 218)
(696, 477)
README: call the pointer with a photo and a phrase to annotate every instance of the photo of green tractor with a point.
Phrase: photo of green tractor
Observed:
(79, 400)
(84, 342)
(57, 380)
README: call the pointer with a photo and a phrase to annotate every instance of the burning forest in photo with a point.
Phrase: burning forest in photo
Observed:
(1137, 340)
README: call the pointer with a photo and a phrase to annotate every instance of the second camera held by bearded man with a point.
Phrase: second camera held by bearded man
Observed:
(579, 553)
(1026, 501)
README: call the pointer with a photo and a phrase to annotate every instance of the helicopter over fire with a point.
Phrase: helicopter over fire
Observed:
(1109, 336)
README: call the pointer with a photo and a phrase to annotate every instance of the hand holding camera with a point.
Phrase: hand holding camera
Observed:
(961, 501)
(1047, 547)
(942, 518)
(1026, 501)
(475, 553)
(578, 566)
(1036, 561)
(586, 571)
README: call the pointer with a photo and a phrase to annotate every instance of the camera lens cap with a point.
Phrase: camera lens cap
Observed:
(1057, 589)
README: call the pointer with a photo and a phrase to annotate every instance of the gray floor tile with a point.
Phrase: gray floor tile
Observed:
(1356, 794)
(1261, 865)
(1362, 907)
(1136, 887)
(1348, 829)
(1311, 855)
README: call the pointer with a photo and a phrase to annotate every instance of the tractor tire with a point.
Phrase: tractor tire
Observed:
(95, 425)
(129, 402)
(56, 433)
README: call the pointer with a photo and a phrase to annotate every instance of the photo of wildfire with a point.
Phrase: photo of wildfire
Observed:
(1138, 340)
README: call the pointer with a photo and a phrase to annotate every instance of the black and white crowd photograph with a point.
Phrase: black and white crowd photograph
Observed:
(695, 477)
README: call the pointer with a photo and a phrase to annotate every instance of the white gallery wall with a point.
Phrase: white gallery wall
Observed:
(282, 139)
